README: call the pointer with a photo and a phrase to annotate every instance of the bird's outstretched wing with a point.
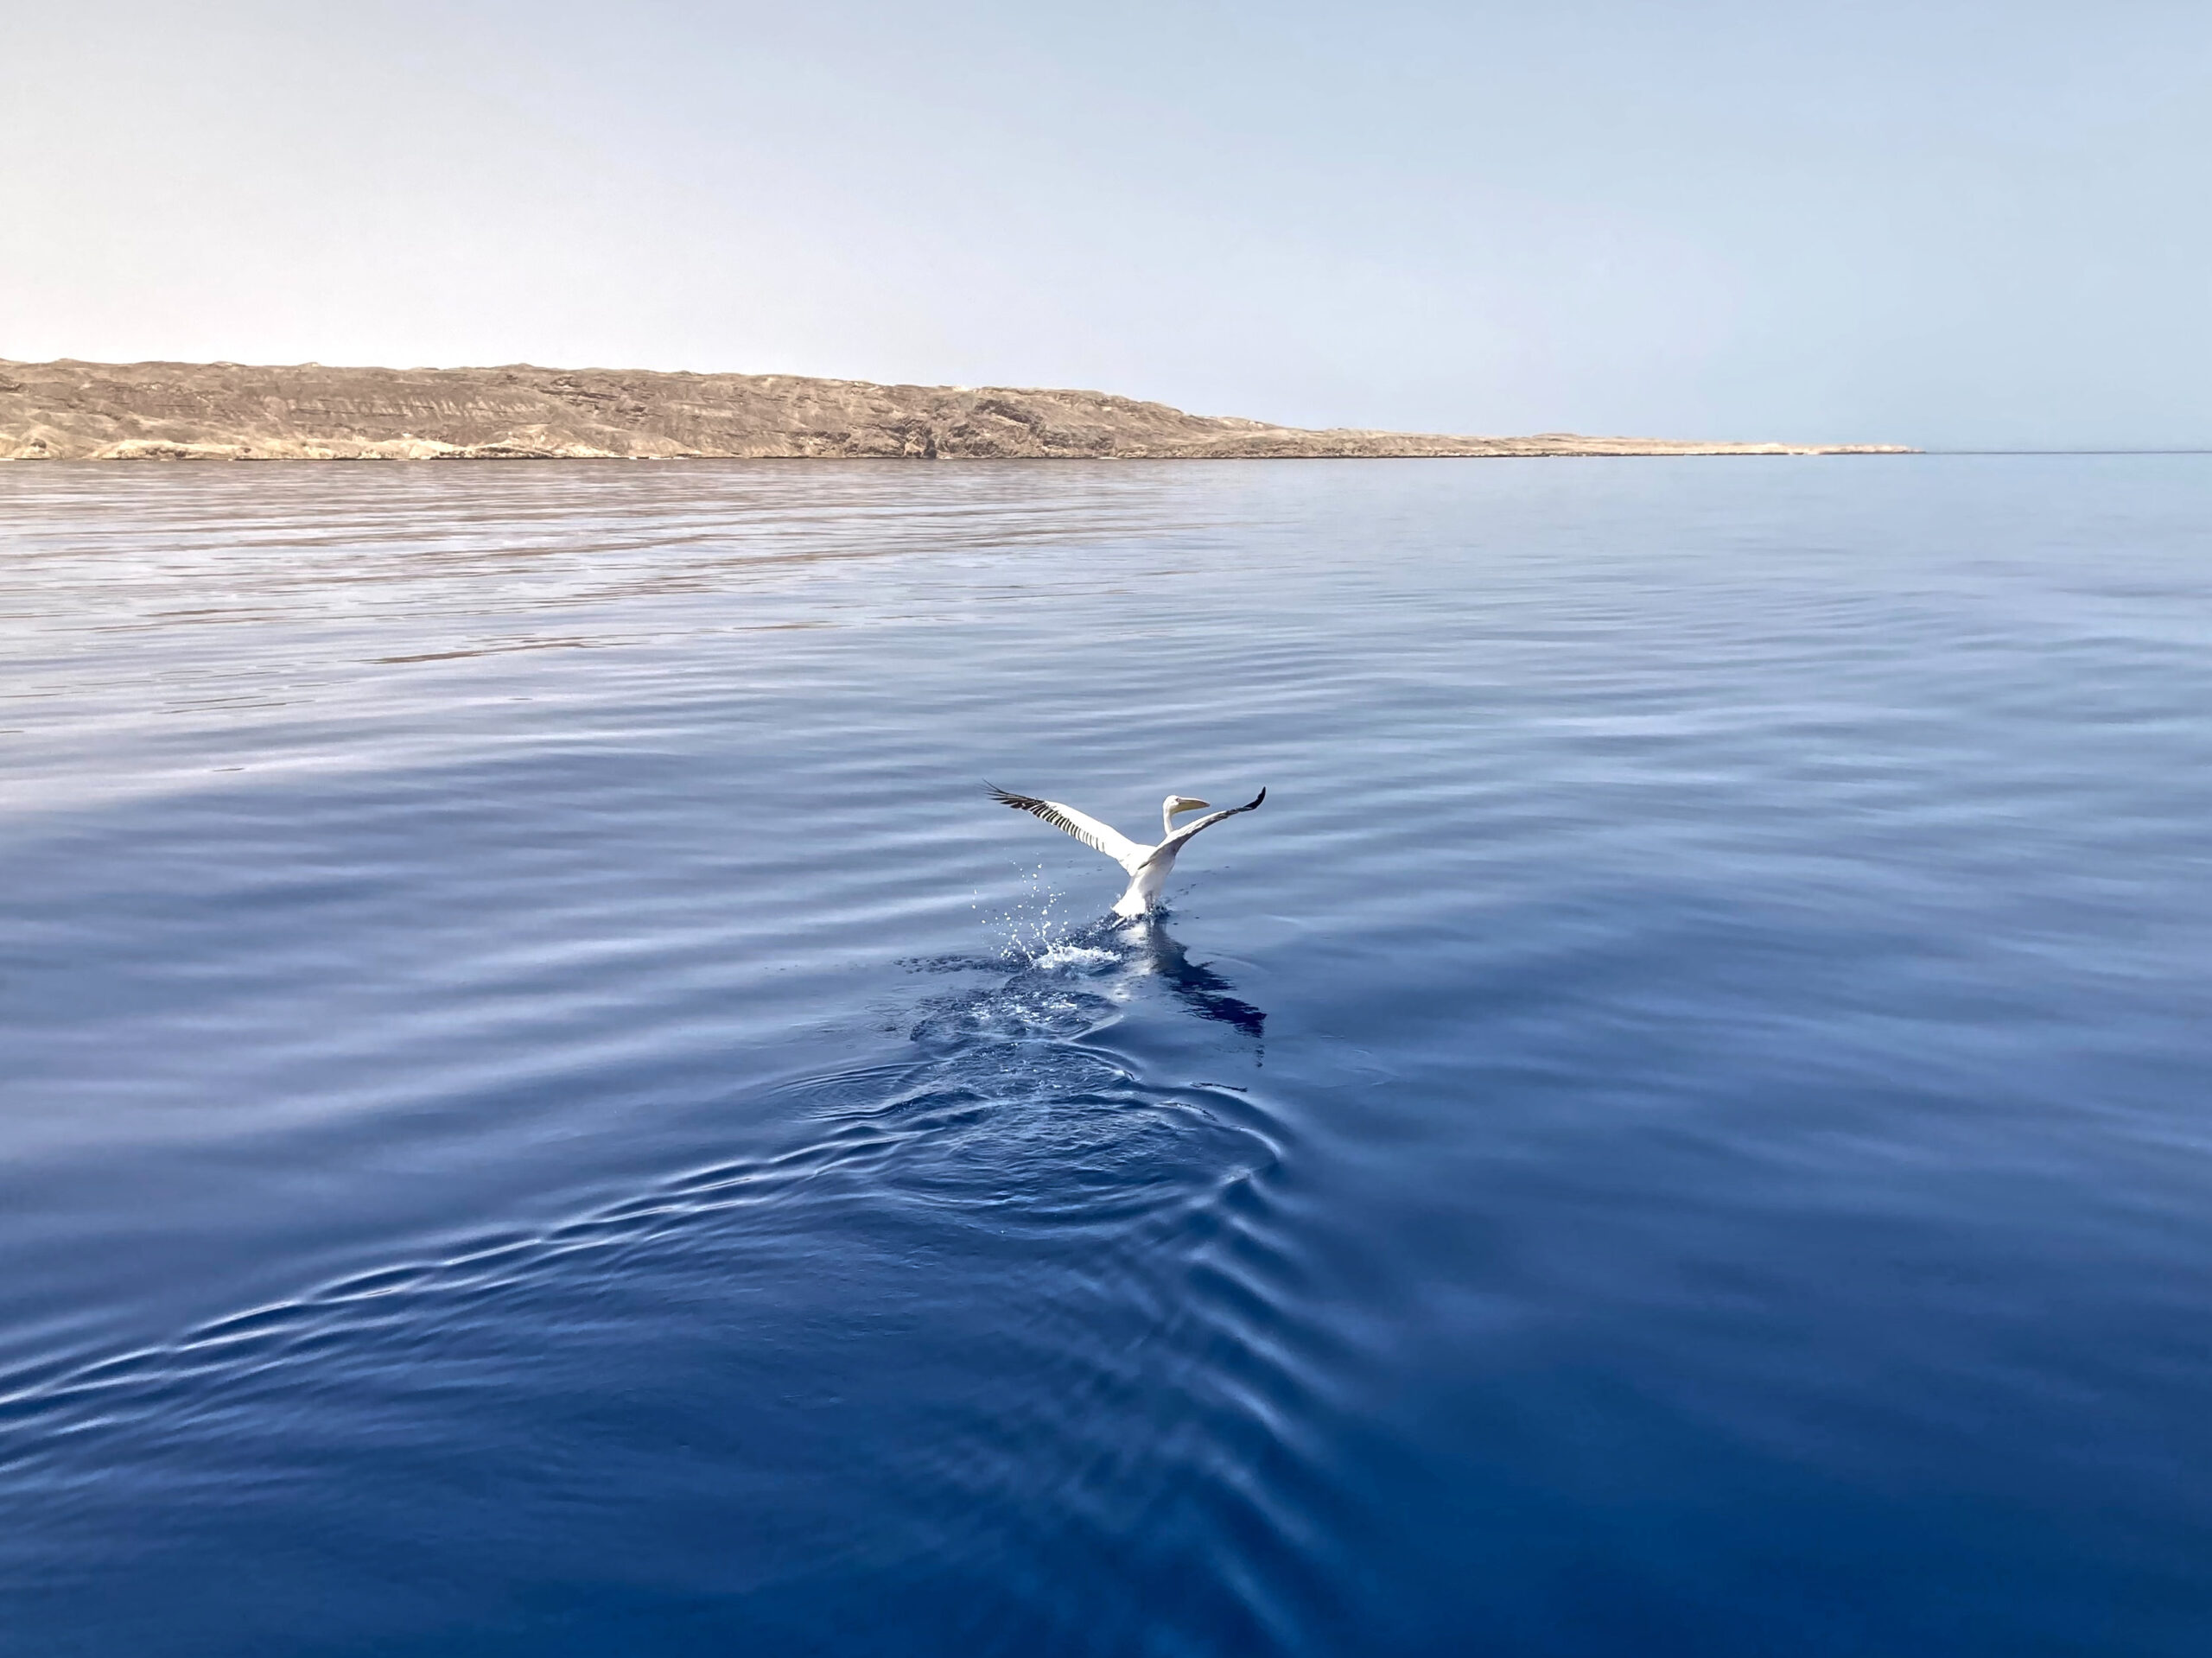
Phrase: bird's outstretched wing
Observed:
(1085, 827)
(1174, 842)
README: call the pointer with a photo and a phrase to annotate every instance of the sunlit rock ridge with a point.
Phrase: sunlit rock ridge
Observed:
(70, 410)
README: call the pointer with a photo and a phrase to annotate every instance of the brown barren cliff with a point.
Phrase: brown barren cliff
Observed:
(223, 411)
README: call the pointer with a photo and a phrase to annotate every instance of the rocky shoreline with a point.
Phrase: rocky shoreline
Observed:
(70, 410)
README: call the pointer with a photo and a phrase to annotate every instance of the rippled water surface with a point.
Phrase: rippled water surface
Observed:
(546, 1113)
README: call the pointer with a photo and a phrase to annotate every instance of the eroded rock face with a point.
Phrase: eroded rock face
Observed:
(224, 411)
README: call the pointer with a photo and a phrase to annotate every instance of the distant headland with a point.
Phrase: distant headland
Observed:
(70, 410)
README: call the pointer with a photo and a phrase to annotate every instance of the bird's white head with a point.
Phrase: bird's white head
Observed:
(1174, 806)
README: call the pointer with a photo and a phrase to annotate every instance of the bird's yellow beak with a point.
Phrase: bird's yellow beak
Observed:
(1183, 804)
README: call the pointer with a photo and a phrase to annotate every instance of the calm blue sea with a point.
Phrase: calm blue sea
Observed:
(546, 1113)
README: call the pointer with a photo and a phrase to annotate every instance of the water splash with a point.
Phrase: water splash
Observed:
(1036, 925)
(1068, 953)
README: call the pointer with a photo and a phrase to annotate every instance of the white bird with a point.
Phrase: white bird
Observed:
(1148, 865)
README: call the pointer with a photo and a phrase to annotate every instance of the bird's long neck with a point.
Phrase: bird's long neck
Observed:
(1167, 819)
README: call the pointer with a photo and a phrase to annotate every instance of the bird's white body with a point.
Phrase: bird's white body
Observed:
(1148, 865)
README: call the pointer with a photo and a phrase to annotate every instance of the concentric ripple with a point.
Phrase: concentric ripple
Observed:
(1139, 1253)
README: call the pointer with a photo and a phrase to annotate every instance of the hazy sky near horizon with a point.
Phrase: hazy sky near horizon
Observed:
(1955, 225)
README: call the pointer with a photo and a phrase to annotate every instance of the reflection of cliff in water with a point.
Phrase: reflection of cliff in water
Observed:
(1158, 953)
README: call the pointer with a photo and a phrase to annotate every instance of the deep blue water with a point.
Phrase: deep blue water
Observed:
(546, 1114)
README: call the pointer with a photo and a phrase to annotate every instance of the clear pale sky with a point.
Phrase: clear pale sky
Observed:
(1946, 223)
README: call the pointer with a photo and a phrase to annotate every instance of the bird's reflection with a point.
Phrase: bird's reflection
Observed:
(1080, 969)
(1155, 951)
